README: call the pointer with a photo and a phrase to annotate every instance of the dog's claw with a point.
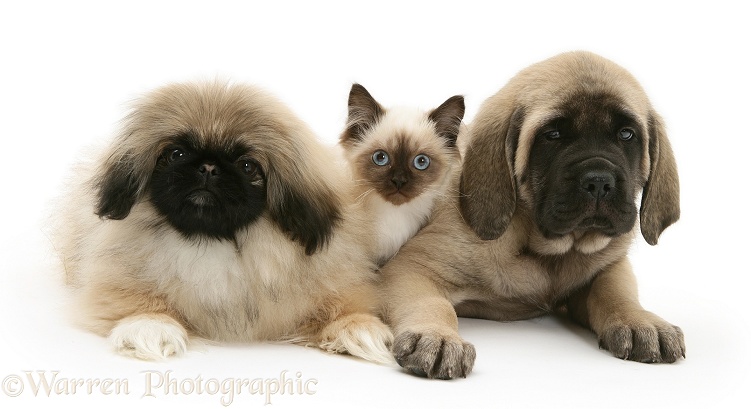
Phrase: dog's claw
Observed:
(433, 355)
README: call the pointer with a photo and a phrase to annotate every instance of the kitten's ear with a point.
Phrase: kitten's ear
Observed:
(448, 117)
(362, 114)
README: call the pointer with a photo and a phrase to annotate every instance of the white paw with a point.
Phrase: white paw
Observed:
(361, 335)
(149, 337)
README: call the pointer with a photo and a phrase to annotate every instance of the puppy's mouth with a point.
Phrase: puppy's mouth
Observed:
(607, 224)
(201, 198)
(596, 223)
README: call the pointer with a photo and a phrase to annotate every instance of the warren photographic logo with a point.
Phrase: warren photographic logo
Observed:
(154, 384)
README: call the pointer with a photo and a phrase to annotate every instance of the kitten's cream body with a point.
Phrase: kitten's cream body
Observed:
(394, 225)
(398, 213)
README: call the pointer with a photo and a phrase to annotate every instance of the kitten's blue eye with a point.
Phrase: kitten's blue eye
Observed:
(381, 158)
(421, 162)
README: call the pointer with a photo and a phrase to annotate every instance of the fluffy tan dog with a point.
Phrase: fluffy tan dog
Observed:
(552, 168)
(216, 213)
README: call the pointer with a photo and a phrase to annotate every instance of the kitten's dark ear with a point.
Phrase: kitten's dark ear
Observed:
(118, 188)
(303, 204)
(448, 117)
(363, 113)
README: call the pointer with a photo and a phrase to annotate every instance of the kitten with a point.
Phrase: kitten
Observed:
(400, 159)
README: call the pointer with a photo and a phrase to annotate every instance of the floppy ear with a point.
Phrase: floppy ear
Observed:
(660, 202)
(303, 205)
(363, 112)
(488, 189)
(118, 188)
(447, 118)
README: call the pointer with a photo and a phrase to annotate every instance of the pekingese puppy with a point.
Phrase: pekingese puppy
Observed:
(217, 214)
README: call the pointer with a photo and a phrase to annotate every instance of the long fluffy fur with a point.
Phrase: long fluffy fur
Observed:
(399, 131)
(148, 288)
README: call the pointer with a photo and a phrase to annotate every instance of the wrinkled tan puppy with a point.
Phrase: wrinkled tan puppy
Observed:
(553, 166)
(216, 213)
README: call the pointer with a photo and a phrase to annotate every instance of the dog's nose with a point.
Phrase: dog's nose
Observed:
(208, 169)
(597, 183)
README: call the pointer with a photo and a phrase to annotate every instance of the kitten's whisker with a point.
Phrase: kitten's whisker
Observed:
(363, 195)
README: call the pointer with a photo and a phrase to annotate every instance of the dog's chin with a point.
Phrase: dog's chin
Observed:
(201, 215)
(202, 198)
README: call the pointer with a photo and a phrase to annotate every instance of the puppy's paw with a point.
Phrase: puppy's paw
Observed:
(434, 353)
(643, 338)
(149, 337)
(361, 335)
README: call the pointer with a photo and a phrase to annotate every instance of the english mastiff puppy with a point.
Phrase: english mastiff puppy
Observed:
(543, 220)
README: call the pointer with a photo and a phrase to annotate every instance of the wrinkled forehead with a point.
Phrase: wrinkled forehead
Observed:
(586, 109)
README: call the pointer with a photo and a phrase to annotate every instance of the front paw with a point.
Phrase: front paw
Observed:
(435, 354)
(644, 338)
(359, 334)
(149, 337)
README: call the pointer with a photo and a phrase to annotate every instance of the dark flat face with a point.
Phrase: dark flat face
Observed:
(584, 168)
(208, 191)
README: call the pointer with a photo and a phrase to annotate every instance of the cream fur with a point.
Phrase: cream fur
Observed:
(149, 337)
(393, 225)
(127, 272)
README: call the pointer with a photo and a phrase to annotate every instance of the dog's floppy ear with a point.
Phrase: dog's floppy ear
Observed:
(303, 204)
(118, 187)
(447, 118)
(660, 202)
(363, 112)
(488, 188)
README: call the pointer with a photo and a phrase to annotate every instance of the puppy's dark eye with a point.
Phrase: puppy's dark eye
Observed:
(626, 134)
(381, 158)
(552, 135)
(175, 154)
(248, 167)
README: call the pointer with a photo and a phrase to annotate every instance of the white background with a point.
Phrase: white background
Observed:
(68, 70)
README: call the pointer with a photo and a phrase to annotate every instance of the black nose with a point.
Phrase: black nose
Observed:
(208, 169)
(597, 183)
(399, 179)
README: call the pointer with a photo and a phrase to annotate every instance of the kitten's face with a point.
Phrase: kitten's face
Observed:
(401, 165)
(401, 153)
